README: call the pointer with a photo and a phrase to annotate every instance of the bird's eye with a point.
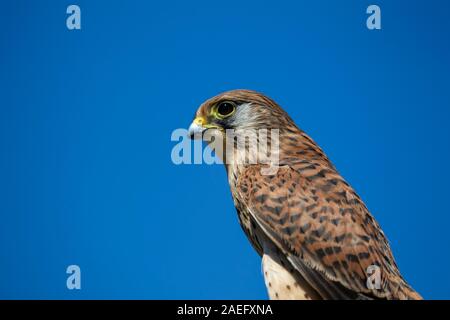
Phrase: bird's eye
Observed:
(225, 109)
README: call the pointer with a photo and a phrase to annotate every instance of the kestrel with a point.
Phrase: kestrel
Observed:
(316, 237)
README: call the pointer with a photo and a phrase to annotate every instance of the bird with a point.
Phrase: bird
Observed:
(316, 238)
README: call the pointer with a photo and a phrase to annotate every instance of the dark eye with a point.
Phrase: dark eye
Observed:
(225, 109)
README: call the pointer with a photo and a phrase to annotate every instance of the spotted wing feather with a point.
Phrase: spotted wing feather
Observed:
(324, 229)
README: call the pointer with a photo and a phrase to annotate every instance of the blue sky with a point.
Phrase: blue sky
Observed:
(86, 117)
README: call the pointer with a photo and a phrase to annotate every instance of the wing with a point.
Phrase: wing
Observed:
(325, 231)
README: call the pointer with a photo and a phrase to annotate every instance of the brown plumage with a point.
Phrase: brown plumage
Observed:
(316, 236)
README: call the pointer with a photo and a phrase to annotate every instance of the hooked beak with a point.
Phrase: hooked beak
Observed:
(196, 129)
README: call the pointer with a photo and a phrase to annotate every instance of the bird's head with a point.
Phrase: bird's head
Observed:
(239, 109)
(247, 127)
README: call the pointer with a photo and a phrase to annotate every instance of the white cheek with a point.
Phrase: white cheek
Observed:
(243, 115)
